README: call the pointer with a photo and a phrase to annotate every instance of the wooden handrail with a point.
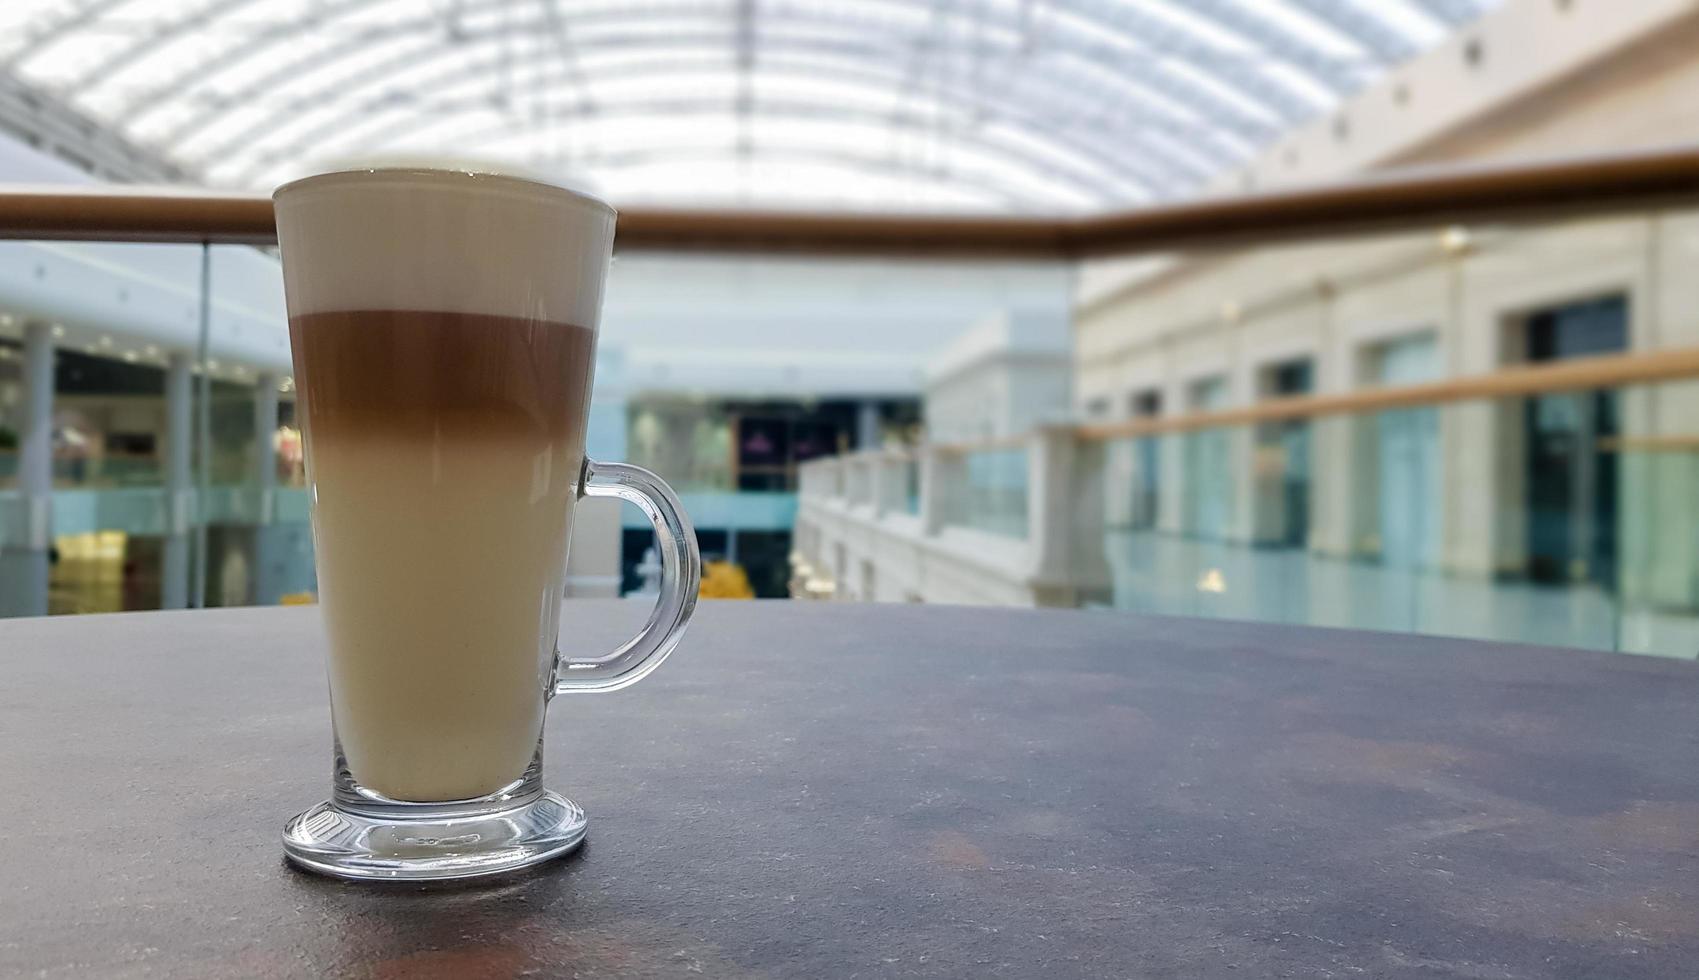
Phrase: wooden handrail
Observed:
(993, 444)
(1386, 201)
(1678, 443)
(1579, 374)
(1404, 199)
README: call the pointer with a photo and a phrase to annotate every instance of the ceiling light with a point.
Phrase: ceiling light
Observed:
(58, 330)
(105, 341)
(151, 351)
(130, 356)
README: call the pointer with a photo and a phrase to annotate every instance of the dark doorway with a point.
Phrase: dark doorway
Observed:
(1289, 443)
(1572, 484)
(1147, 461)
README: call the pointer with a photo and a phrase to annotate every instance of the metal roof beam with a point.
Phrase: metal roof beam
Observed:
(1088, 182)
(1354, 21)
(1110, 148)
(1161, 37)
(165, 33)
(1107, 68)
(847, 51)
(1114, 62)
(1452, 13)
(1268, 34)
(51, 31)
(560, 32)
(983, 183)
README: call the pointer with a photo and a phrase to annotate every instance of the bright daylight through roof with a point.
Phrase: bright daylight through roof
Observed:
(1004, 105)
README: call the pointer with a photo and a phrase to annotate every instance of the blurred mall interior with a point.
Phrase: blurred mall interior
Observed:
(882, 427)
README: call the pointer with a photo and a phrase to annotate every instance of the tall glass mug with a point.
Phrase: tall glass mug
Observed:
(444, 330)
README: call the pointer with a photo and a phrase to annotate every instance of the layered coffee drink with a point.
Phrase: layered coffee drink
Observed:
(445, 451)
(444, 339)
(444, 327)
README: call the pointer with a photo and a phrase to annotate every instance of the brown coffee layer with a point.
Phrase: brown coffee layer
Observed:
(431, 374)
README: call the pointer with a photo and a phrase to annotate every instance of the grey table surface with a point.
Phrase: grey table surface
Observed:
(814, 790)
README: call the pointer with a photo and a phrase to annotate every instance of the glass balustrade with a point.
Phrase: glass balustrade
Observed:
(1568, 518)
(986, 490)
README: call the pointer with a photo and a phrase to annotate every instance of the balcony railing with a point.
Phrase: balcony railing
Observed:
(1194, 514)
(1511, 497)
(1032, 512)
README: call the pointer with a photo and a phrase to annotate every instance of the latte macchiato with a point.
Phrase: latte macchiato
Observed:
(444, 329)
(444, 342)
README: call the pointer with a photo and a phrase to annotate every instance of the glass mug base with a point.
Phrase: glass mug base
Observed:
(361, 834)
(428, 843)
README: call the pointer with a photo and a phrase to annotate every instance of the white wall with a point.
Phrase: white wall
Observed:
(1008, 373)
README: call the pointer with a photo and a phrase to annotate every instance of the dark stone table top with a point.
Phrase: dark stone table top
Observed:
(819, 790)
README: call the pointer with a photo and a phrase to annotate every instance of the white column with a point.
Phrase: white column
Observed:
(24, 558)
(1065, 517)
(1172, 511)
(879, 483)
(179, 487)
(1241, 467)
(265, 432)
(938, 469)
(867, 425)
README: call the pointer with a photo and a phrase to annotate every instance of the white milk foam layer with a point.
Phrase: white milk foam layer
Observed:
(448, 240)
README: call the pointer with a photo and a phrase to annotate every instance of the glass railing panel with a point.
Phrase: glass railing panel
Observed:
(111, 320)
(909, 472)
(858, 479)
(988, 491)
(1568, 518)
(21, 571)
(106, 554)
(687, 442)
(248, 443)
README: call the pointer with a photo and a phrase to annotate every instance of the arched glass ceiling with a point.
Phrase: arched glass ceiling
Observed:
(1005, 105)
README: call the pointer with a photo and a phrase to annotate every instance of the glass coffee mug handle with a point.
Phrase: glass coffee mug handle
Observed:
(681, 577)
